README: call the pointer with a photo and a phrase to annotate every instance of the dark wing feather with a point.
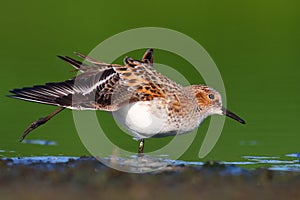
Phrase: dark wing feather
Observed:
(148, 57)
(81, 92)
(76, 64)
(91, 60)
(93, 91)
(100, 86)
(46, 94)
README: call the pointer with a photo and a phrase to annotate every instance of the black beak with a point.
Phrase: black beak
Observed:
(232, 115)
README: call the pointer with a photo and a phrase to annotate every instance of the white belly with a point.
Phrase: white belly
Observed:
(143, 119)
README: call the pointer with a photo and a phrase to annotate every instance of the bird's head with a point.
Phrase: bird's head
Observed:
(210, 102)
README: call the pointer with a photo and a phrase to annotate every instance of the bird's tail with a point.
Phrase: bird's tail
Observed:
(50, 93)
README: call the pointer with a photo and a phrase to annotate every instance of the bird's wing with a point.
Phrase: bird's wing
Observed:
(114, 87)
(148, 57)
(101, 86)
(76, 93)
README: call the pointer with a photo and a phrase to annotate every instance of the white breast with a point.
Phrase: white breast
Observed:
(143, 119)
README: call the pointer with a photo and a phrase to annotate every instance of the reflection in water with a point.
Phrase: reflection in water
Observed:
(3, 153)
(293, 167)
(39, 142)
(148, 163)
(295, 155)
(136, 164)
(132, 164)
(277, 163)
(39, 160)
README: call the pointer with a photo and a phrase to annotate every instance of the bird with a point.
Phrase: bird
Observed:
(146, 102)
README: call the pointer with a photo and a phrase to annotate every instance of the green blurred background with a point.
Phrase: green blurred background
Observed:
(255, 44)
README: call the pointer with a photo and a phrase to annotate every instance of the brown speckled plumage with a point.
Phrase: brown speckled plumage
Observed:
(135, 86)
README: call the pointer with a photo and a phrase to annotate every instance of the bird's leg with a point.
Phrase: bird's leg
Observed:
(39, 122)
(141, 147)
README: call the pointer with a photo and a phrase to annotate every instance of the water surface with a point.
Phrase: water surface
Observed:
(255, 45)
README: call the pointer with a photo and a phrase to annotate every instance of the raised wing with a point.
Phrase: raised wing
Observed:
(100, 85)
(77, 93)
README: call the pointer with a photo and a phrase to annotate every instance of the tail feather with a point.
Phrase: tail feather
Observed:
(92, 60)
(75, 63)
(46, 94)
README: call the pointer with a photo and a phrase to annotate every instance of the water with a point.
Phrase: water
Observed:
(255, 45)
(148, 163)
(39, 142)
(288, 162)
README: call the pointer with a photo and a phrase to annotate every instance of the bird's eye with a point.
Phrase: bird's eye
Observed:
(211, 96)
